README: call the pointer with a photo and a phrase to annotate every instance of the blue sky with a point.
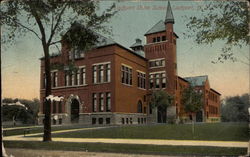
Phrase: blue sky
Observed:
(21, 66)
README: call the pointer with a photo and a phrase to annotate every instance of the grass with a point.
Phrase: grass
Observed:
(128, 148)
(20, 131)
(212, 131)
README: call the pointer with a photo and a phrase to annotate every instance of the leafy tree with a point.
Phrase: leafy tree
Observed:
(192, 100)
(235, 109)
(222, 20)
(162, 100)
(51, 18)
(17, 112)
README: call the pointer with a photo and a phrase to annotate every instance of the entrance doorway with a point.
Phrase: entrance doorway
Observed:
(161, 115)
(74, 111)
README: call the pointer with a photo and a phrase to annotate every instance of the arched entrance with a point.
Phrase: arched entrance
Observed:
(161, 115)
(75, 108)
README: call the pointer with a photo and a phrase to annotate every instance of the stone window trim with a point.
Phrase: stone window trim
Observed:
(153, 61)
(126, 75)
(160, 79)
(141, 79)
(101, 72)
(76, 78)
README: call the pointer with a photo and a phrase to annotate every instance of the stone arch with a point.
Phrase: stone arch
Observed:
(72, 99)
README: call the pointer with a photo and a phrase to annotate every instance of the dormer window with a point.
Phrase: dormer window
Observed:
(77, 54)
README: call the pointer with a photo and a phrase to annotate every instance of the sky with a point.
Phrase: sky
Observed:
(21, 64)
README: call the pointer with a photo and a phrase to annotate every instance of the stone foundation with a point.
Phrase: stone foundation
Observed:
(103, 118)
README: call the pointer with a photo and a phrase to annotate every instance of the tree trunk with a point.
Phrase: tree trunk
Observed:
(47, 103)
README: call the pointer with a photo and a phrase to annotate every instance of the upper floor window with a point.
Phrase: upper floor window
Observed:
(141, 80)
(157, 63)
(77, 77)
(157, 80)
(101, 102)
(76, 54)
(159, 39)
(54, 79)
(101, 72)
(126, 75)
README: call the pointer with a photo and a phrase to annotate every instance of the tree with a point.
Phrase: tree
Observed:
(222, 20)
(235, 109)
(51, 18)
(192, 100)
(162, 100)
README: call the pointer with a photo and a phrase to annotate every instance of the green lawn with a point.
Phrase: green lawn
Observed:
(205, 131)
(126, 148)
(20, 131)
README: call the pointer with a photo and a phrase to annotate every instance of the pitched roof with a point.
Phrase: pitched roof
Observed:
(158, 27)
(169, 15)
(197, 80)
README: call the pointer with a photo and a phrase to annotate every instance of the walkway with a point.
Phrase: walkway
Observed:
(28, 137)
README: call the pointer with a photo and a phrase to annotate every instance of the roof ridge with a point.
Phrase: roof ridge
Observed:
(154, 26)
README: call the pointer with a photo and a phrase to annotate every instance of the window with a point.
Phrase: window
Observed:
(44, 80)
(72, 82)
(154, 40)
(93, 120)
(95, 74)
(101, 73)
(139, 107)
(141, 79)
(66, 79)
(158, 39)
(54, 106)
(101, 102)
(100, 120)
(78, 77)
(54, 79)
(108, 102)
(82, 73)
(107, 120)
(76, 54)
(157, 63)
(94, 102)
(157, 80)
(126, 75)
(107, 73)
(163, 38)
(60, 107)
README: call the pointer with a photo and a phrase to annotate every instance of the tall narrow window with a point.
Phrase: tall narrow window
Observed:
(54, 106)
(163, 79)
(94, 102)
(157, 80)
(44, 80)
(77, 77)
(101, 102)
(83, 76)
(108, 102)
(60, 107)
(126, 75)
(108, 73)
(141, 77)
(66, 79)
(100, 74)
(151, 81)
(94, 74)
(72, 79)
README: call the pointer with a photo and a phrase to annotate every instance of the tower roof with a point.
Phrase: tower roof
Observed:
(169, 14)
